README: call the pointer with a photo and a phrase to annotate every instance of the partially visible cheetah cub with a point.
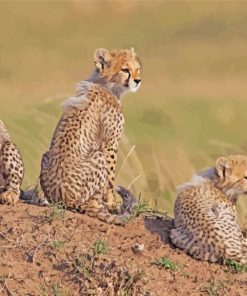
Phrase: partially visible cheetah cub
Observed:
(79, 168)
(11, 168)
(205, 216)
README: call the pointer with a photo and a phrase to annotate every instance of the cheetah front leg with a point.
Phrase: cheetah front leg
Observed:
(110, 153)
(94, 207)
(12, 171)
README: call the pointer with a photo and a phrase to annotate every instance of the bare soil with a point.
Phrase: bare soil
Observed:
(45, 251)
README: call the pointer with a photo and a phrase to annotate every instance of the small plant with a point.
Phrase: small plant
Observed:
(141, 208)
(100, 247)
(166, 263)
(54, 290)
(236, 266)
(43, 291)
(215, 288)
(57, 244)
(84, 265)
(57, 211)
(144, 208)
(187, 275)
(3, 280)
(128, 282)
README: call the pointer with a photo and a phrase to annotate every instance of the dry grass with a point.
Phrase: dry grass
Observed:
(158, 184)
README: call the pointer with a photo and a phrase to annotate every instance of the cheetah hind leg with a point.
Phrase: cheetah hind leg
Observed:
(94, 207)
(180, 237)
(236, 250)
(190, 244)
(244, 250)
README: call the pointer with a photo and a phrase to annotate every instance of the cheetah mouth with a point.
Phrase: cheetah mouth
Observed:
(131, 84)
(135, 88)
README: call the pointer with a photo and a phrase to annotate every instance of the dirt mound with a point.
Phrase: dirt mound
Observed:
(49, 251)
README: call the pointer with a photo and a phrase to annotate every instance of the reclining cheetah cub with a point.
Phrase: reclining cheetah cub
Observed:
(11, 168)
(205, 216)
(79, 168)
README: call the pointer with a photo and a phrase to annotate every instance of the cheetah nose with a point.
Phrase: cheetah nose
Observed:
(137, 81)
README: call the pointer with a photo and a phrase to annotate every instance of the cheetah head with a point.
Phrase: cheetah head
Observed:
(232, 173)
(117, 70)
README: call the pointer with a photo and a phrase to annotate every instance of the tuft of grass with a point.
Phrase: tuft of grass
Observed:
(141, 208)
(55, 290)
(3, 279)
(57, 244)
(127, 282)
(187, 275)
(215, 288)
(166, 263)
(100, 247)
(43, 291)
(106, 276)
(235, 266)
(83, 264)
(57, 211)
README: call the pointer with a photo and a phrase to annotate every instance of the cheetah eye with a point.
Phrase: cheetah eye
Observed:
(245, 177)
(125, 70)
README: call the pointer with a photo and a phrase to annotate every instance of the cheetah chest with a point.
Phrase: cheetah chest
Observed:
(112, 123)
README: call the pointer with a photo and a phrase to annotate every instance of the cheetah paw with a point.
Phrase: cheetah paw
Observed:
(9, 198)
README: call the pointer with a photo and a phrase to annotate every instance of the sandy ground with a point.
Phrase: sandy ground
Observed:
(45, 251)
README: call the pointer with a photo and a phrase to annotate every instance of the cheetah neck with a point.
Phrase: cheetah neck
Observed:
(209, 175)
(117, 90)
(198, 179)
(231, 193)
(227, 188)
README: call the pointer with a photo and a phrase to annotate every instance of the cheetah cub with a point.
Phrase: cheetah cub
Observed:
(79, 168)
(11, 168)
(205, 215)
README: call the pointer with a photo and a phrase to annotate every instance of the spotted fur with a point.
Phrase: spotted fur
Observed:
(205, 220)
(79, 168)
(11, 168)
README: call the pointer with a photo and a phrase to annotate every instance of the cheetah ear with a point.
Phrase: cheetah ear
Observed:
(222, 164)
(132, 50)
(101, 58)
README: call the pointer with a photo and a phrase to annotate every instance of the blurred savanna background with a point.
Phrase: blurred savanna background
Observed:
(190, 109)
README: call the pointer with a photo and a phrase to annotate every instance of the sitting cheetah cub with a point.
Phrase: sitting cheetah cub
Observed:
(79, 168)
(11, 168)
(205, 223)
